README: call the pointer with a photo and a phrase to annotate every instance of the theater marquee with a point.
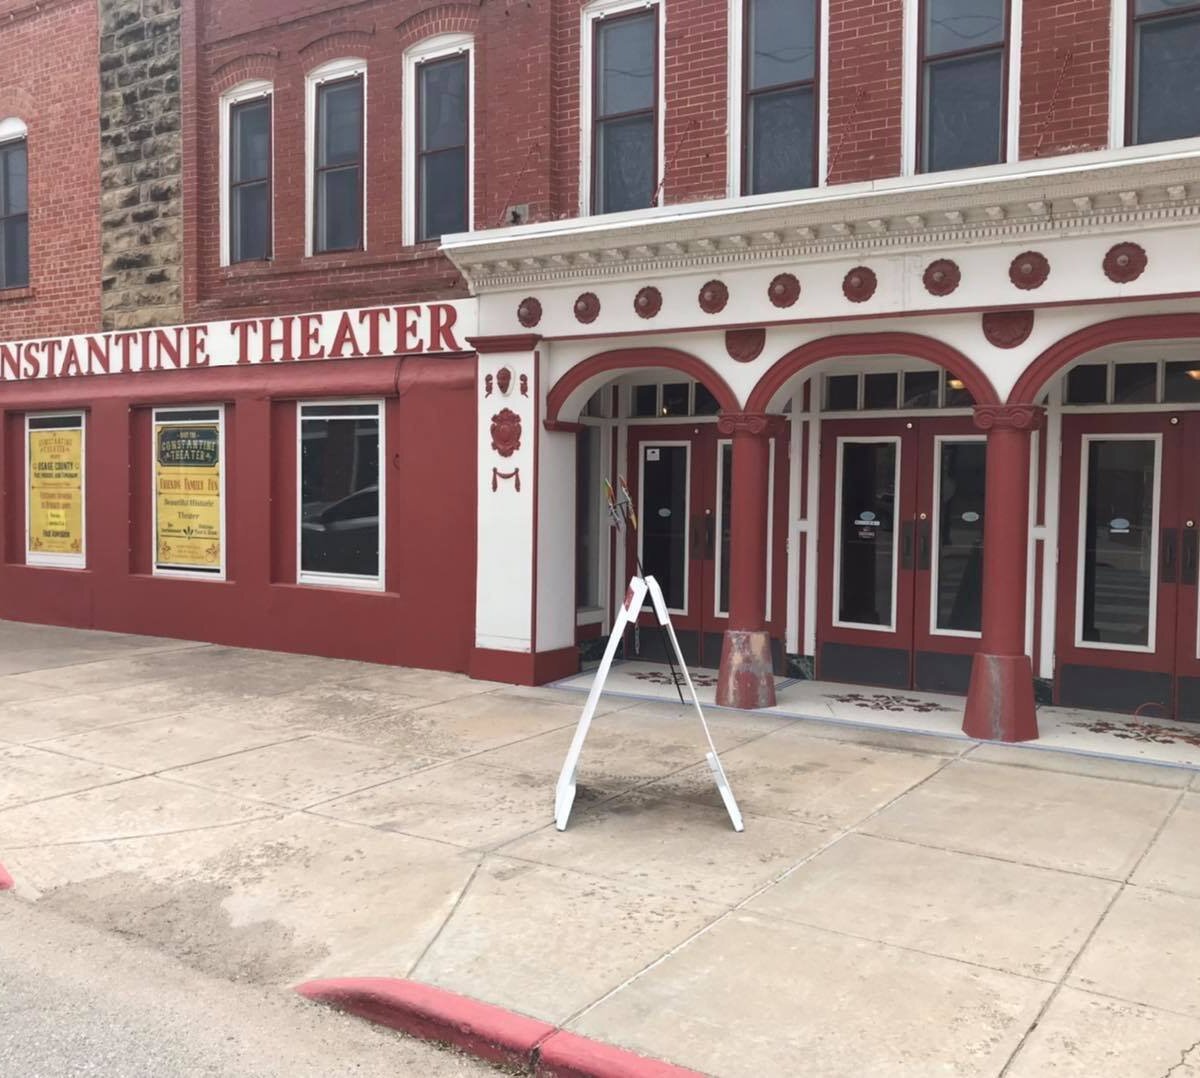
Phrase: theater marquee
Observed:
(363, 333)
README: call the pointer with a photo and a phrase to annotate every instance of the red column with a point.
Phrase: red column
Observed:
(1000, 698)
(747, 677)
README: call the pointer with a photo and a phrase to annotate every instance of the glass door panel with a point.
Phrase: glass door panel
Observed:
(869, 473)
(663, 519)
(958, 530)
(725, 494)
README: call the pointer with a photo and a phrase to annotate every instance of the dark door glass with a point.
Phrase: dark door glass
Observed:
(664, 524)
(726, 521)
(1166, 78)
(339, 494)
(339, 166)
(959, 542)
(1118, 539)
(867, 508)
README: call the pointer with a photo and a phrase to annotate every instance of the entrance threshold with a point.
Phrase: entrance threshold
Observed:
(1087, 733)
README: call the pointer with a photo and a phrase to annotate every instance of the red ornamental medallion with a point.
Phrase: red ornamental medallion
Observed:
(1029, 270)
(1124, 263)
(859, 284)
(506, 432)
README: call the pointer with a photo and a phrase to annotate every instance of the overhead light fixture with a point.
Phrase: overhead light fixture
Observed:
(1193, 374)
(957, 383)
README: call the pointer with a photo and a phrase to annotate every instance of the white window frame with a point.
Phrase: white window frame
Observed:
(329, 72)
(13, 130)
(594, 13)
(58, 561)
(912, 94)
(735, 105)
(434, 48)
(164, 416)
(243, 92)
(1118, 73)
(341, 580)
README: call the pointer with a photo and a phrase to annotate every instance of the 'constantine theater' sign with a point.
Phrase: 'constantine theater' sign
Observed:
(366, 333)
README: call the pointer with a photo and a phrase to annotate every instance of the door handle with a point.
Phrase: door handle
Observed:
(710, 529)
(697, 538)
(923, 544)
(906, 544)
(1190, 557)
(1168, 555)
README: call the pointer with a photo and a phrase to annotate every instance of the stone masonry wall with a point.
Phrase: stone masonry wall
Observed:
(141, 163)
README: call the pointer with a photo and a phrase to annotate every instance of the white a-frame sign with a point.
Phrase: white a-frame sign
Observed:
(639, 588)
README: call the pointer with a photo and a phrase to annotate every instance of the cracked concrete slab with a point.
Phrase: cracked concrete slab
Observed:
(30, 774)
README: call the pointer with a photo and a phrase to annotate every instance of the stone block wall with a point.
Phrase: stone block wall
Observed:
(141, 163)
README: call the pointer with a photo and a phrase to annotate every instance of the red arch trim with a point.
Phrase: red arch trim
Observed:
(871, 344)
(1151, 327)
(622, 359)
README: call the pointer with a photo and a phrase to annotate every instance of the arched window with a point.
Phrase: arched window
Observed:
(14, 205)
(337, 152)
(246, 153)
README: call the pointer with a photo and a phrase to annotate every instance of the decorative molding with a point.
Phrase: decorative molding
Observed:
(784, 290)
(497, 475)
(587, 308)
(506, 432)
(713, 297)
(1029, 270)
(859, 284)
(942, 277)
(1125, 262)
(529, 312)
(563, 426)
(1007, 329)
(504, 380)
(648, 302)
(753, 423)
(509, 342)
(1024, 417)
(745, 345)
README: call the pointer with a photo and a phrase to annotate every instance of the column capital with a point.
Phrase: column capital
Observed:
(759, 423)
(1009, 416)
(511, 342)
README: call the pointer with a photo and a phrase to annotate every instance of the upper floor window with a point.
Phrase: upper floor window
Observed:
(625, 151)
(780, 86)
(14, 206)
(963, 54)
(338, 157)
(1165, 51)
(248, 160)
(443, 146)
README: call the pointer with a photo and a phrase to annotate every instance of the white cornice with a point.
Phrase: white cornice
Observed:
(1095, 192)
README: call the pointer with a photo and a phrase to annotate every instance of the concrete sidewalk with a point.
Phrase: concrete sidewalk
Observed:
(898, 904)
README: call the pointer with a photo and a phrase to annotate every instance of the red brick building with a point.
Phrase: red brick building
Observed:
(851, 293)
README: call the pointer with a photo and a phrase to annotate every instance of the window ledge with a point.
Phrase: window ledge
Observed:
(12, 295)
(327, 263)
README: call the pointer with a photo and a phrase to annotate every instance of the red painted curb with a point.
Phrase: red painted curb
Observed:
(568, 1055)
(483, 1030)
(6, 881)
(488, 1032)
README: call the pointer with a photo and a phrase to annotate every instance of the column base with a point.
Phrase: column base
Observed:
(747, 676)
(1000, 703)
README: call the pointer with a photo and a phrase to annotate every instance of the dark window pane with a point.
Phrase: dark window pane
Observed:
(867, 504)
(954, 25)
(706, 403)
(1135, 383)
(780, 146)
(1119, 555)
(782, 42)
(645, 400)
(841, 393)
(1152, 7)
(963, 111)
(251, 141)
(14, 179)
(588, 496)
(957, 394)
(921, 389)
(339, 216)
(444, 104)
(443, 193)
(251, 222)
(1167, 79)
(1088, 384)
(960, 536)
(663, 519)
(340, 122)
(339, 495)
(625, 56)
(625, 164)
(14, 249)
(879, 390)
(675, 398)
(1182, 382)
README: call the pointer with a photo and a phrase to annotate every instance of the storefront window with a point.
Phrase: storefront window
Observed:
(341, 478)
(54, 516)
(189, 494)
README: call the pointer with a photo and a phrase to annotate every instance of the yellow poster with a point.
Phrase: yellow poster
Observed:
(56, 491)
(187, 483)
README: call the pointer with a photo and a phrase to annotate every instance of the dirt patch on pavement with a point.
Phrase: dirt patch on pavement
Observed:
(189, 921)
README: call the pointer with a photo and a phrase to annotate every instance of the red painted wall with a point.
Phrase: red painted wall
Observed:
(425, 618)
(49, 78)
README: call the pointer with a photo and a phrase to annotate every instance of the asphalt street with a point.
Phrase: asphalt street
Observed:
(75, 1001)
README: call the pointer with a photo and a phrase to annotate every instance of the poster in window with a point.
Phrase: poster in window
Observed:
(187, 484)
(56, 492)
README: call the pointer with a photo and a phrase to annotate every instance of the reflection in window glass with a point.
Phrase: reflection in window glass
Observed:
(1135, 383)
(1088, 384)
(339, 490)
(14, 215)
(663, 519)
(841, 393)
(706, 403)
(338, 186)
(959, 541)
(675, 398)
(645, 400)
(1166, 70)
(589, 494)
(626, 135)
(879, 390)
(867, 523)
(442, 142)
(249, 180)
(957, 394)
(1181, 384)
(921, 389)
